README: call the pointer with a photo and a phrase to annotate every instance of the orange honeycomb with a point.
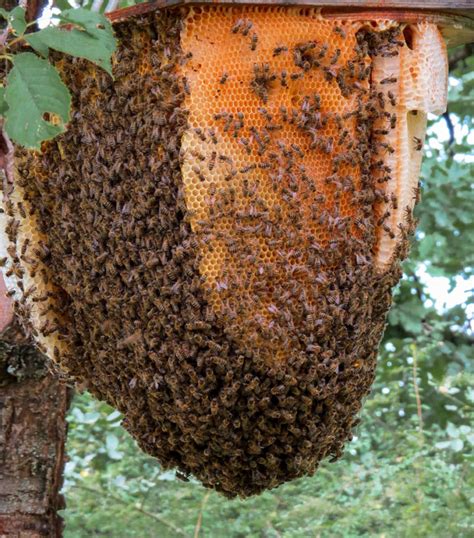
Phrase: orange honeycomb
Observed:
(240, 132)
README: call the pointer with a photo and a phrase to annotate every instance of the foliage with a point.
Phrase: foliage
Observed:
(408, 471)
(33, 100)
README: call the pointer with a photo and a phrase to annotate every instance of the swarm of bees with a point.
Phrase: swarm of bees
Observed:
(211, 271)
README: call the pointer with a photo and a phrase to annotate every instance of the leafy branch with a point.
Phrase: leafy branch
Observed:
(34, 102)
(151, 515)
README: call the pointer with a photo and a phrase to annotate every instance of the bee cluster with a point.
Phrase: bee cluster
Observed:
(211, 270)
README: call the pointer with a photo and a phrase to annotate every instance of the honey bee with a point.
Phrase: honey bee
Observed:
(212, 160)
(237, 26)
(198, 172)
(338, 30)
(212, 135)
(224, 78)
(278, 50)
(392, 98)
(389, 80)
(254, 41)
(394, 200)
(335, 57)
(247, 28)
(200, 133)
(418, 143)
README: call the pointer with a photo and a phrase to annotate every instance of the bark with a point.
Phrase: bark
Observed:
(33, 405)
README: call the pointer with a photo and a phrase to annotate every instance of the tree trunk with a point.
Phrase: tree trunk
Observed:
(33, 406)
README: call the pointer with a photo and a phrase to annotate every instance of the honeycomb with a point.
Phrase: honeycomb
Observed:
(211, 246)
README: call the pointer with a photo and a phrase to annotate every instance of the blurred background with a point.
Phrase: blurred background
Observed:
(408, 471)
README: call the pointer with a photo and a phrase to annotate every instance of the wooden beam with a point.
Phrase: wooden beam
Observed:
(454, 20)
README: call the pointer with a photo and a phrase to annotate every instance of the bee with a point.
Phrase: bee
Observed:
(323, 51)
(297, 149)
(283, 80)
(381, 99)
(228, 123)
(387, 147)
(389, 231)
(187, 89)
(226, 159)
(351, 68)
(254, 41)
(198, 155)
(247, 28)
(21, 210)
(393, 121)
(245, 142)
(317, 101)
(248, 168)
(278, 50)
(212, 135)
(329, 73)
(231, 174)
(389, 80)
(394, 200)
(24, 247)
(343, 136)
(212, 160)
(328, 145)
(198, 172)
(200, 133)
(224, 78)
(237, 26)
(418, 143)
(338, 30)
(383, 218)
(392, 98)
(335, 57)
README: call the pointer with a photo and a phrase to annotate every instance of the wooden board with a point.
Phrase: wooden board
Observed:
(454, 18)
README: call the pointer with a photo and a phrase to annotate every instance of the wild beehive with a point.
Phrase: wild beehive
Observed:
(211, 246)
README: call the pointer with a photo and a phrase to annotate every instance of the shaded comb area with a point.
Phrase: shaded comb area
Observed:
(204, 261)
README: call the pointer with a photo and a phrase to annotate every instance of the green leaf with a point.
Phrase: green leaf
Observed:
(91, 37)
(114, 415)
(62, 4)
(457, 445)
(3, 103)
(34, 89)
(17, 20)
(4, 13)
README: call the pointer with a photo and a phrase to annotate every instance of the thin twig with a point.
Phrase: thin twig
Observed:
(136, 508)
(197, 528)
(450, 126)
(417, 391)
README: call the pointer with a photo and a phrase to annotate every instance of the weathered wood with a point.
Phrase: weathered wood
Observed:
(463, 7)
(454, 19)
